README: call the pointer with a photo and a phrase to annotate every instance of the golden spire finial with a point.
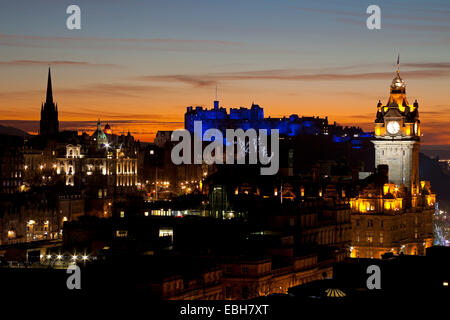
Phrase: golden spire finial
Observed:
(398, 63)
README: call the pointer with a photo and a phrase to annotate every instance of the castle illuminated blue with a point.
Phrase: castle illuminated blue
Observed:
(253, 117)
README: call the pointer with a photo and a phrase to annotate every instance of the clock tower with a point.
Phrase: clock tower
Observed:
(397, 137)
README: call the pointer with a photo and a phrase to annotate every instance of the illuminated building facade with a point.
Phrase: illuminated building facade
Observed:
(393, 212)
(27, 218)
(76, 164)
(248, 278)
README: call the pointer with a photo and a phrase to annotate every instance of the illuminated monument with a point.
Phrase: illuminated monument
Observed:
(253, 118)
(397, 137)
(393, 211)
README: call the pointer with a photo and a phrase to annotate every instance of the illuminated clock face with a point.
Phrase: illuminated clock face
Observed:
(393, 127)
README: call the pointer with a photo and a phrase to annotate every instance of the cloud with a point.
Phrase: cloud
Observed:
(112, 89)
(202, 80)
(121, 117)
(92, 91)
(359, 12)
(32, 41)
(142, 129)
(398, 26)
(196, 81)
(55, 62)
(431, 65)
(96, 39)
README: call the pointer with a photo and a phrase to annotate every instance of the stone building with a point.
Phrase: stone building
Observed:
(393, 211)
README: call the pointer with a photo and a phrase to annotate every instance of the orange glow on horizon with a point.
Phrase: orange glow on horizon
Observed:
(144, 112)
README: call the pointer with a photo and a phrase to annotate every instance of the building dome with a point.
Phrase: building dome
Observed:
(99, 136)
(398, 85)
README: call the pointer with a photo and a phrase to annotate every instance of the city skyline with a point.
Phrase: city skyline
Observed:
(244, 158)
(140, 69)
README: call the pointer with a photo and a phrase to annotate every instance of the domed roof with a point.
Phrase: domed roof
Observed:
(398, 82)
(99, 136)
(398, 85)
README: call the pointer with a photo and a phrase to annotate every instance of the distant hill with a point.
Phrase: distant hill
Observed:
(434, 151)
(431, 171)
(11, 131)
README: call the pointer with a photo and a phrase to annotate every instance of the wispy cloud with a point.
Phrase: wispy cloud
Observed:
(202, 80)
(112, 89)
(55, 62)
(407, 26)
(93, 90)
(96, 39)
(27, 40)
(359, 12)
(195, 80)
(144, 130)
(431, 65)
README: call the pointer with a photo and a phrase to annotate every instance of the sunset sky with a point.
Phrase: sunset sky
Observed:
(138, 64)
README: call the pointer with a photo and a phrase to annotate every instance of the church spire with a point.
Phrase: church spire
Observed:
(49, 111)
(49, 88)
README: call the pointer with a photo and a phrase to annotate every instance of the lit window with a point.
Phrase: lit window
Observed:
(122, 214)
(121, 233)
(166, 232)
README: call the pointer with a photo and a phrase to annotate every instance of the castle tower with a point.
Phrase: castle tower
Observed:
(49, 123)
(397, 137)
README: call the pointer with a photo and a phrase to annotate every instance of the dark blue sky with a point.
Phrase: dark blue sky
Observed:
(153, 58)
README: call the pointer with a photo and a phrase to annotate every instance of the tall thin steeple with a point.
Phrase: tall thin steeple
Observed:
(49, 123)
(49, 88)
